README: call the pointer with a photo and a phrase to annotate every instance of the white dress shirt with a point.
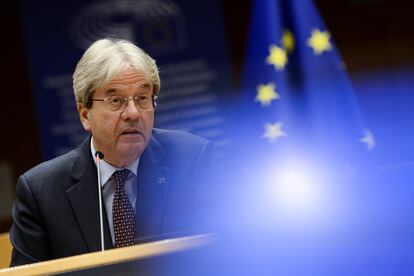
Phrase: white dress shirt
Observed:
(108, 186)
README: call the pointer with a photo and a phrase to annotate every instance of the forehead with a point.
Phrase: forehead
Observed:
(129, 76)
(128, 82)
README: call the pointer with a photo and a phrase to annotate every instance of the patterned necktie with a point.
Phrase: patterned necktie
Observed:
(122, 212)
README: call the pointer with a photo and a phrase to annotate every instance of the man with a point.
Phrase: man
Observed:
(151, 179)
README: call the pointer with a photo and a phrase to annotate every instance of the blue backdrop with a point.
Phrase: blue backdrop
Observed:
(191, 53)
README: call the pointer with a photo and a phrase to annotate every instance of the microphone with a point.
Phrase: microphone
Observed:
(100, 156)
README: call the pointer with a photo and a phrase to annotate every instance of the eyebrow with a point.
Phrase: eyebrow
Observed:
(111, 91)
(145, 85)
(114, 90)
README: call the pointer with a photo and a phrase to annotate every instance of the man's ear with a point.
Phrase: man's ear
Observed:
(84, 116)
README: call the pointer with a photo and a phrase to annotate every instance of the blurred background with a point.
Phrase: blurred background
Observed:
(203, 51)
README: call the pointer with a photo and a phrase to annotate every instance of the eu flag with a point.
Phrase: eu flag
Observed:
(294, 201)
(297, 96)
(300, 205)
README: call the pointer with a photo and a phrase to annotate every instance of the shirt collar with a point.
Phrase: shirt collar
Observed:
(107, 169)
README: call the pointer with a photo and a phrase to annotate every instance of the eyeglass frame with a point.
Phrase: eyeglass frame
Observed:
(125, 102)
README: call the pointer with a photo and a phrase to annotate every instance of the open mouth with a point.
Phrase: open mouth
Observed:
(130, 132)
(132, 136)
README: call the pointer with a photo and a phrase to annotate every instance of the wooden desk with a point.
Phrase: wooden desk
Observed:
(5, 250)
(108, 257)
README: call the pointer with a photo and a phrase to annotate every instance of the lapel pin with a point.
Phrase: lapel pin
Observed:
(161, 180)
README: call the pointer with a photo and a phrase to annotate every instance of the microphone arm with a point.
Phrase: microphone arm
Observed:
(99, 156)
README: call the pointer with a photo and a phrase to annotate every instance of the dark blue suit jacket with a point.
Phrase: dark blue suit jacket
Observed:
(56, 207)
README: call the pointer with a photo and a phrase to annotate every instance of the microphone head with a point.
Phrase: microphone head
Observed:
(99, 155)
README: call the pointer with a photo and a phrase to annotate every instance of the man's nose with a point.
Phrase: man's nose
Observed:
(132, 111)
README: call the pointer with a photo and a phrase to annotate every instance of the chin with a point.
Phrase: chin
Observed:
(133, 151)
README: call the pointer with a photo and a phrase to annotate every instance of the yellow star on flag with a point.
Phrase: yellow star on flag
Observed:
(266, 93)
(277, 57)
(319, 41)
(273, 131)
(288, 41)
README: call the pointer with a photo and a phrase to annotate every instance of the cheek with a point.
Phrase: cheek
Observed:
(149, 121)
(103, 124)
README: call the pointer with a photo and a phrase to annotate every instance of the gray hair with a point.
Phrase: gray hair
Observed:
(106, 58)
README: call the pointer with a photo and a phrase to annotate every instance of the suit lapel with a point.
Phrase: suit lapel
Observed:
(152, 193)
(153, 187)
(83, 196)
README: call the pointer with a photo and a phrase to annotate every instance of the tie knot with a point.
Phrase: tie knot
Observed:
(120, 176)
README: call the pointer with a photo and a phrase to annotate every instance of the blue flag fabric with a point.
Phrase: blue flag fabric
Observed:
(296, 92)
(299, 205)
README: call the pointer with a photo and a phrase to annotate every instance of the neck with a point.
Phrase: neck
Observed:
(120, 162)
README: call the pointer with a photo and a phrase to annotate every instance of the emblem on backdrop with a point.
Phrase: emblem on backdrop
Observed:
(156, 25)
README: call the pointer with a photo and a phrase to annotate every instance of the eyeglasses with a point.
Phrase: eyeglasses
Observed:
(144, 102)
